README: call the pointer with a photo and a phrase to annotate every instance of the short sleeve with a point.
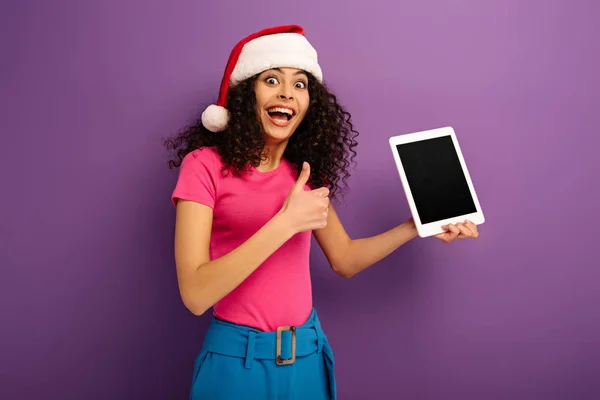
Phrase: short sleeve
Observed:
(197, 180)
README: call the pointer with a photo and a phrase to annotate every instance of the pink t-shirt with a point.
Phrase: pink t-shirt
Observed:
(279, 291)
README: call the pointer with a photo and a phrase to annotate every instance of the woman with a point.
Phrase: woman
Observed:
(256, 177)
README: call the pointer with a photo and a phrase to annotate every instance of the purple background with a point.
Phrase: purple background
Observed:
(89, 303)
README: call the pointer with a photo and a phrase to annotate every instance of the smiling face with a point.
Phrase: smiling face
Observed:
(282, 100)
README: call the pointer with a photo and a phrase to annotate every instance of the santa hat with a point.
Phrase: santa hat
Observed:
(282, 46)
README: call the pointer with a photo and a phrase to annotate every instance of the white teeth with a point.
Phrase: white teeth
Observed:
(281, 110)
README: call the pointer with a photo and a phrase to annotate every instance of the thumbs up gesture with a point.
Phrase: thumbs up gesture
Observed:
(306, 210)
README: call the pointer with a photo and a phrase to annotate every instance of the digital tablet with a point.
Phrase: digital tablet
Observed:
(435, 179)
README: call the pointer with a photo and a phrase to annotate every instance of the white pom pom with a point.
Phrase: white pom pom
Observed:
(215, 118)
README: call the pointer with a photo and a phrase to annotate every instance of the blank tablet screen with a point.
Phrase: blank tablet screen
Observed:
(436, 179)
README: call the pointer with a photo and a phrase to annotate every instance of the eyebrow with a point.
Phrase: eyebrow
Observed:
(295, 73)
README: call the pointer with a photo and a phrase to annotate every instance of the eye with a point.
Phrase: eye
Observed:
(272, 80)
(300, 85)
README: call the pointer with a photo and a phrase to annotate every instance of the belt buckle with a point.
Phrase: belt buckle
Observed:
(279, 360)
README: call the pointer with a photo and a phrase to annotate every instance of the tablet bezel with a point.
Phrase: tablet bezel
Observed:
(435, 227)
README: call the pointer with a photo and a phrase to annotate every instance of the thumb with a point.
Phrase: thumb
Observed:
(303, 177)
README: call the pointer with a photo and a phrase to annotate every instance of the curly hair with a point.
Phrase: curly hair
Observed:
(325, 139)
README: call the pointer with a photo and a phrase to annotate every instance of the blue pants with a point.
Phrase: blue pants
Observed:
(237, 362)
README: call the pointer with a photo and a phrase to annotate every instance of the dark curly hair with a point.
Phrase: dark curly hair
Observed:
(325, 139)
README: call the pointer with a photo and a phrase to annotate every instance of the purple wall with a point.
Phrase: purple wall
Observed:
(89, 304)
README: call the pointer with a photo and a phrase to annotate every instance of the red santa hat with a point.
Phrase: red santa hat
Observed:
(282, 46)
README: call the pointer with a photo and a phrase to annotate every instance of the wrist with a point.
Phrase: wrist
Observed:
(283, 225)
(409, 228)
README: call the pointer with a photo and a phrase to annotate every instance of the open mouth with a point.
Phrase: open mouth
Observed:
(280, 116)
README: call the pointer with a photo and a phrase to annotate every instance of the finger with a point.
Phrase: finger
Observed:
(449, 234)
(445, 237)
(472, 227)
(321, 192)
(464, 231)
(302, 178)
(454, 231)
(446, 234)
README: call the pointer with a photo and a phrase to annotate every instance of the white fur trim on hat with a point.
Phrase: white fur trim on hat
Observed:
(271, 51)
(215, 118)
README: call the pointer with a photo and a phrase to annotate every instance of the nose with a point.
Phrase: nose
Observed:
(285, 92)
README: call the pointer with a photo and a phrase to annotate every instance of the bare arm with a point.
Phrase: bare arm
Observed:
(202, 282)
(349, 256)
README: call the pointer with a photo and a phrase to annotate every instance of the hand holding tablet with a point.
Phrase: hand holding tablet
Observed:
(437, 184)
